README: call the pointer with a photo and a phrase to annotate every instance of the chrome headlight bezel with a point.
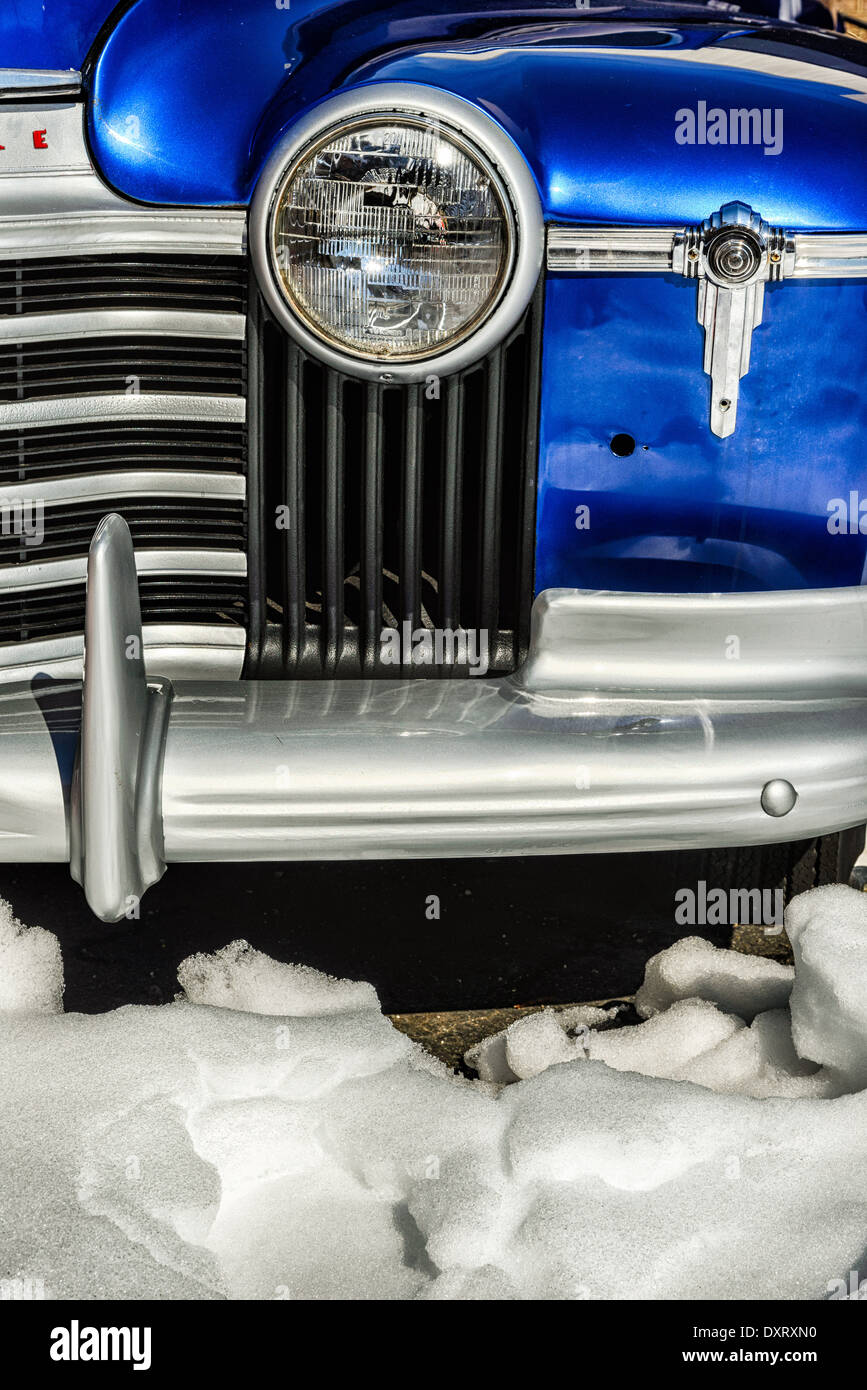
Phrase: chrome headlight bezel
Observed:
(384, 102)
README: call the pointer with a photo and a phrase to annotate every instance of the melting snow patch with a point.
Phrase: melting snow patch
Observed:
(270, 1135)
(31, 967)
(693, 968)
(239, 977)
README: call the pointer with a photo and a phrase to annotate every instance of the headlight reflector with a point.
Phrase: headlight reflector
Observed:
(392, 238)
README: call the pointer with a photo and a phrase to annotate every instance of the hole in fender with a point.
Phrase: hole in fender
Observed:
(622, 445)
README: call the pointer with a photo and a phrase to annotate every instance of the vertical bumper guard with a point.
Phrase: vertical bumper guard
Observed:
(116, 839)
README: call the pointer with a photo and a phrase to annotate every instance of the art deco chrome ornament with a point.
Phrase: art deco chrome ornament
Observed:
(732, 255)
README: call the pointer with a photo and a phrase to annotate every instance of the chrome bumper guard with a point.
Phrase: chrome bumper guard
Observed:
(639, 722)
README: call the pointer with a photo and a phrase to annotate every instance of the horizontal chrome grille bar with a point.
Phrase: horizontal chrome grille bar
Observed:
(177, 651)
(103, 487)
(601, 250)
(126, 230)
(39, 414)
(120, 323)
(45, 574)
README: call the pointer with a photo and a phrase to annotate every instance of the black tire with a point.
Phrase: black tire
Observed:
(793, 867)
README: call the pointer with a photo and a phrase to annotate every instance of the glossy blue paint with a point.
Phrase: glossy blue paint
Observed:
(187, 106)
(50, 33)
(593, 109)
(686, 511)
(188, 101)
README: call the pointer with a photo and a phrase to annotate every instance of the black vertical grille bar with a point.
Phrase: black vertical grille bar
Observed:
(371, 538)
(452, 511)
(256, 557)
(527, 547)
(332, 523)
(491, 498)
(411, 510)
(452, 503)
(295, 451)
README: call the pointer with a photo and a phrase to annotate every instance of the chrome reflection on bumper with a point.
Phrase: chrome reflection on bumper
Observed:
(176, 651)
(639, 722)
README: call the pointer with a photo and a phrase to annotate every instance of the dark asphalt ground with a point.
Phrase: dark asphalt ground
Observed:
(545, 930)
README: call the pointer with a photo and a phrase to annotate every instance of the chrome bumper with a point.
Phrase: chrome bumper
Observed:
(639, 722)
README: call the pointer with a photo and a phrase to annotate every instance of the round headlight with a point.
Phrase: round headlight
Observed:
(392, 239)
(387, 236)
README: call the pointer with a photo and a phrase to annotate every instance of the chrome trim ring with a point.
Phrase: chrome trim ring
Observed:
(385, 100)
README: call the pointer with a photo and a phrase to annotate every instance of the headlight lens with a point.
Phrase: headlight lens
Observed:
(392, 239)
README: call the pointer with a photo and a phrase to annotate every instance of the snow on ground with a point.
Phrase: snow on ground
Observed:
(271, 1135)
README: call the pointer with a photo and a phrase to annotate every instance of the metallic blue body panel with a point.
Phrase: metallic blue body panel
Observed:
(593, 110)
(688, 512)
(50, 33)
(188, 101)
(186, 108)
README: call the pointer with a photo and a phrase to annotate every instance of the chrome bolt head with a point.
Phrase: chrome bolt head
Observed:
(778, 797)
(734, 255)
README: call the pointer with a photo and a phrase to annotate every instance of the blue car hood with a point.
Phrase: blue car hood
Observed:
(185, 103)
(597, 111)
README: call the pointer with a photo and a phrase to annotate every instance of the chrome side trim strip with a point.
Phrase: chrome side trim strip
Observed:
(178, 651)
(834, 255)
(82, 410)
(120, 323)
(102, 487)
(121, 229)
(628, 249)
(45, 574)
(30, 82)
(603, 249)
